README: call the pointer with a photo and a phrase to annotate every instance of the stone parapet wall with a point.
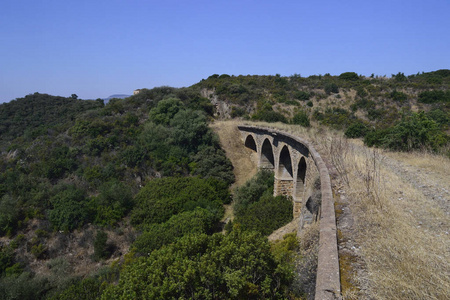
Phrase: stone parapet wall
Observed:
(328, 281)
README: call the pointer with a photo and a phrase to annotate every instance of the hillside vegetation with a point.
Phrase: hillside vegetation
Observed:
(401, 113)
(127, 199)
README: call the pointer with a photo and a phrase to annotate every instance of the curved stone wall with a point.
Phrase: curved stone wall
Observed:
(296, 164)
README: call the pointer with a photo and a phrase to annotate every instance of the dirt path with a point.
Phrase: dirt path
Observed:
(434, 185)
(422, 193)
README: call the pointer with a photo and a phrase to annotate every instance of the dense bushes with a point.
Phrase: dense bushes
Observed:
(238, 266)
(162, 198)
(267, 114)
(266, 215)
(356, 130)
(155, 236)
(37, 113)
(70, 209)
(415, 131)
(257, 209)
(434, 96)
(301, 118)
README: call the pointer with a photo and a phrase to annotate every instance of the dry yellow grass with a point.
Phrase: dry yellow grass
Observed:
(242, 158)
(399, 203)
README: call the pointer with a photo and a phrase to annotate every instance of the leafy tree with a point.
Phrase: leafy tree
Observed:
(165, 110)
(211, 162)
(190, 130)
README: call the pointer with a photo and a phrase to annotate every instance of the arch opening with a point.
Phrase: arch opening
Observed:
(301, 176)
(267, 161)
(250, 143)
(285, 164)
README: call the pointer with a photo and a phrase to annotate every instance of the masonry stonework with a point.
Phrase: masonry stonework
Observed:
(283, 187)
(288, 156)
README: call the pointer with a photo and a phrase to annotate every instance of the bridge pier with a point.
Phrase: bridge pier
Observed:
(297, 165)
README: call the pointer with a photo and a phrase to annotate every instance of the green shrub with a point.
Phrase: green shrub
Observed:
(302, 95)
(331, 87)
(376, 137)
(253, 190)
(9, 214)
(156, 235)
(356, 130)
(434, 96)
(439, 117)
(211, 162)
(165, 110)
(113, 202)
(415, 131)
(101, 248)
(235, 266)
(6, 259)
(24, 287)
(161, 198)
(266, 215)
(237, 111)
(70, 209)
(86, 289)
(301, 118)
(352, 76)
(398, 96)
(38, 251)
(269, 115)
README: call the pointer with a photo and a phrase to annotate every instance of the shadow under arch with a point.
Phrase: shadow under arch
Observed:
(301, 175)
(266, 159)
(285, 164)
(250, 143)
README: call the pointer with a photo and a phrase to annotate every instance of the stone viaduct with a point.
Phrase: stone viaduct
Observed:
(298, 169)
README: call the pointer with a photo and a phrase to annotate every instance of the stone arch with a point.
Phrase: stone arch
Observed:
(267, 160)
(309, 205)
(301, 175)
(250, 143)
(285, 164)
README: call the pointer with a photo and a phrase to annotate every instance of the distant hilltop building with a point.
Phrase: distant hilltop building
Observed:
(135, 92)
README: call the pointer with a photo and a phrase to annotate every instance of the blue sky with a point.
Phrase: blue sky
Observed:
(98, 48)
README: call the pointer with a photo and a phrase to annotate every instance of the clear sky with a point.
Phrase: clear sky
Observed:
(96, 48)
